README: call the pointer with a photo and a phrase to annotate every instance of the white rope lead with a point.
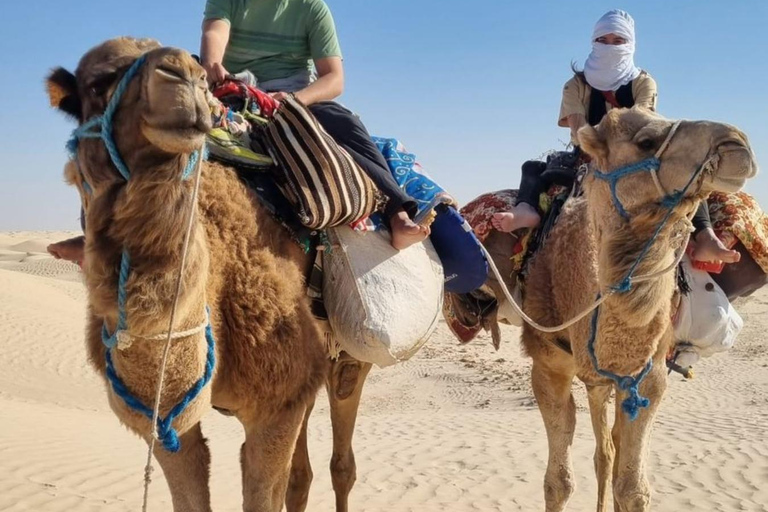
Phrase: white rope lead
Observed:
(530, 321)
(169, 335)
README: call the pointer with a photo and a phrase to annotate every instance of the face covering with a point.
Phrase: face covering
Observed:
(611, 66)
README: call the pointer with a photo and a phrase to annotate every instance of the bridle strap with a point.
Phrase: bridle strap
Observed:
(103, 122)
(662, 148)
(651, 165)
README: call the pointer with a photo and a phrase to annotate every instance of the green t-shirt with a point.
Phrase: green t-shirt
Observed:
(275, 39)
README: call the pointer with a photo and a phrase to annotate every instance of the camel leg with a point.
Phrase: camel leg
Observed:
(301, 470)
(187, 472)
(599, 397)
(345, 386)
(631, 490)
(552, 389)
(616, 438)
(265, 458)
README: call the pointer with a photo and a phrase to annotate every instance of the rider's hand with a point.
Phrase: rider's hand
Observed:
(279, 96)
(216, 73)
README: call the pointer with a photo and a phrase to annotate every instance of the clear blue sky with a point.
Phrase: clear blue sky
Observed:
(472, 87)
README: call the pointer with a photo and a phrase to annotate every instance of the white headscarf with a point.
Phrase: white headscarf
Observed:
(611, 66)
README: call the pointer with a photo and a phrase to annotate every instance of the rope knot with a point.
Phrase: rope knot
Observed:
(72, 147)
(624, 286)
(626, 383)
(672, 200)
(168, 436)
(634, 402)
(124, 339)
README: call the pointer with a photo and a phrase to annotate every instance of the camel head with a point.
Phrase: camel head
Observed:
(162, 112)
(718, 152)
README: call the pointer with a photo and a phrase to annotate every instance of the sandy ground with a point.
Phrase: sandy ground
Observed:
(456, 428)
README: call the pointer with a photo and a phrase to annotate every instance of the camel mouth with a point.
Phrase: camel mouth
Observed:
(737, 158)
(729, 185)
(735, 166)
(176, 140)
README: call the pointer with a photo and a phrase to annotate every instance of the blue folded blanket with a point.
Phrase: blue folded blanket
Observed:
(464, 265)
(411, 178)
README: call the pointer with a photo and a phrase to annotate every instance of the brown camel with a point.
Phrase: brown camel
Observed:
(590, 250)
(270, 358)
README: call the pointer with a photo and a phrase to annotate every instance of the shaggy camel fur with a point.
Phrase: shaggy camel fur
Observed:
(268, 346)
(270, 356)
(591, 249)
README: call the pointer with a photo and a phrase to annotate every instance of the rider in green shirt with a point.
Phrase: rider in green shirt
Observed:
(291, 46)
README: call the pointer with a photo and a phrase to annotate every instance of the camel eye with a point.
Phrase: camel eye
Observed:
(102, 83)
(647, 144)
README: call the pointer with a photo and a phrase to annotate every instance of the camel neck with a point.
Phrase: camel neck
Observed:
(149, 223)
(152, 214)
(621, 245)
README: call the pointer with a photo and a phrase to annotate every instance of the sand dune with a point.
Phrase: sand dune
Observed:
(454, 429)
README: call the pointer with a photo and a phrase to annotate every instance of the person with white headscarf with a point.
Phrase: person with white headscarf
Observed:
(611, 64)
(610, 79)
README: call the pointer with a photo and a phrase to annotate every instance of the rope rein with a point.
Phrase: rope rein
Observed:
(557, 328)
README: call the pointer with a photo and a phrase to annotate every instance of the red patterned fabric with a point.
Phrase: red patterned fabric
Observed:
(479, 212)
(464, 333)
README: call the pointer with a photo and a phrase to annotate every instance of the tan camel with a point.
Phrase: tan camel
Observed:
(241, 264)
(591, 249)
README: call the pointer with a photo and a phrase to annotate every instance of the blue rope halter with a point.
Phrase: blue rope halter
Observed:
(103, 123)
(652, 164)
(634, 402)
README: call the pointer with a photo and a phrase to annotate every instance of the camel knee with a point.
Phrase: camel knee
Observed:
(632, 493)
(343, 471)
(559, 486)
(298, 488)
(347, 380)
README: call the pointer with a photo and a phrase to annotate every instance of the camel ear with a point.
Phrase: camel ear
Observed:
(62, 92)
(593, 143)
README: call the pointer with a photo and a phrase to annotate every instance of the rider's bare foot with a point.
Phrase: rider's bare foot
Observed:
(707, 247)
(522, 216)
(405, 232)
(72, 249)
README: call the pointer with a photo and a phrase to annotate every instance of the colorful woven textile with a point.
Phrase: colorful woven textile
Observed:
(739, 217)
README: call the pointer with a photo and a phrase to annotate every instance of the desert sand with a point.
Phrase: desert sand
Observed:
(455, 429)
